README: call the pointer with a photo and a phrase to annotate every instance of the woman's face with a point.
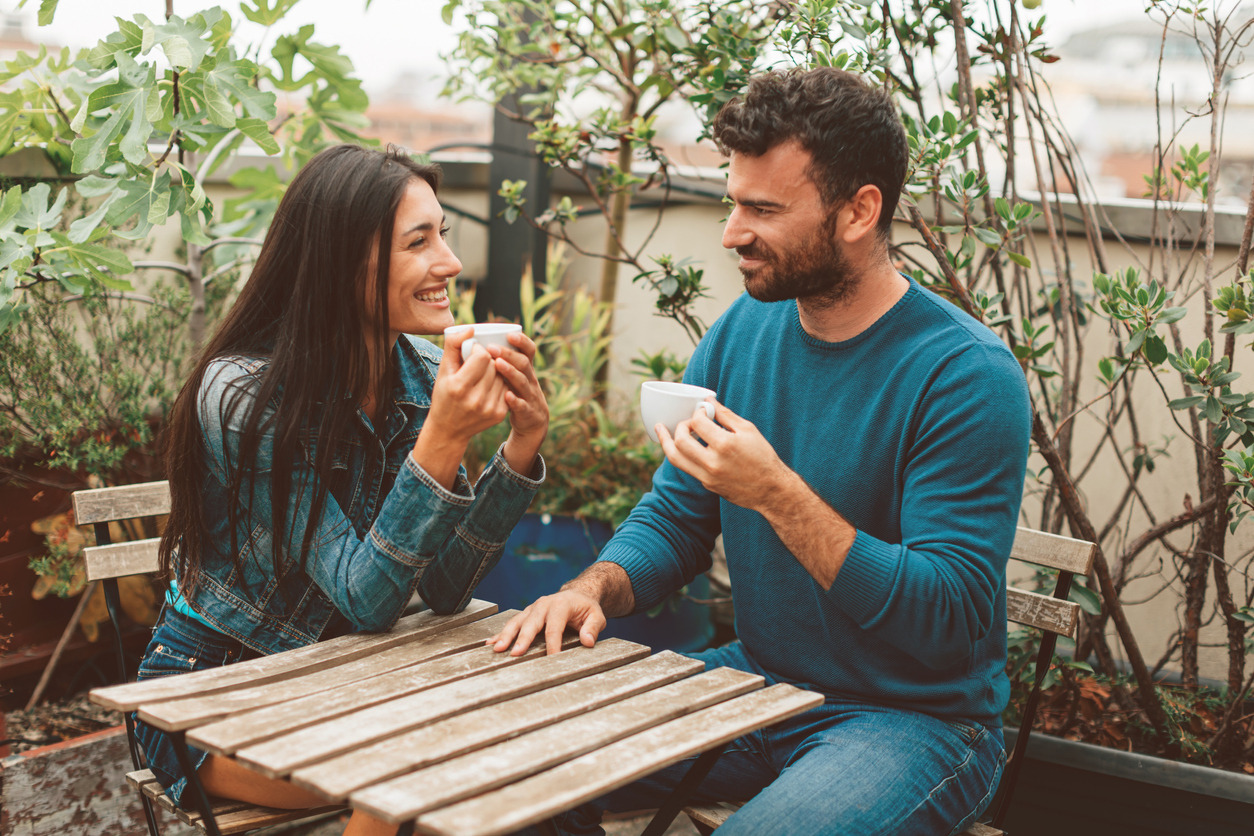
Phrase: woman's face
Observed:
(422, 266)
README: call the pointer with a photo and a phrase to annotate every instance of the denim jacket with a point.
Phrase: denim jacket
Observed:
(386, 528)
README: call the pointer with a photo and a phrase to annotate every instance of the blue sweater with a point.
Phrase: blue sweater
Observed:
(916, 432)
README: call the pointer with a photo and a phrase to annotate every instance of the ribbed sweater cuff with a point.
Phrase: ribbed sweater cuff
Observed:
(646, 585)
(866, 577)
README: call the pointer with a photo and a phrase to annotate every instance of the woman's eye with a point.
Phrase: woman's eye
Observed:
(444, 231)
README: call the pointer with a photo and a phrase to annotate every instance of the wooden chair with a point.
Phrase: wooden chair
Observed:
(1053, 614)
(106, 562)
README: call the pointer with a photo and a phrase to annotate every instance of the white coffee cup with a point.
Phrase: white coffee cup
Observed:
(486, 334)
(667, 403)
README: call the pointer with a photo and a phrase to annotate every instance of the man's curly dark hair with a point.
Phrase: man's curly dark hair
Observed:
(850, 129)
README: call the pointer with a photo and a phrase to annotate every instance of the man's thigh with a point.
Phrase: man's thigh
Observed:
(865, 771)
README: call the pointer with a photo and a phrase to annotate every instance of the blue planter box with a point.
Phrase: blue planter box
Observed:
(545, 551)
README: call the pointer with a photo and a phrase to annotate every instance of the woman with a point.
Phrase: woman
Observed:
(314, 454)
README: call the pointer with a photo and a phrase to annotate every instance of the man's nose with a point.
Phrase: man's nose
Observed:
(736, 232)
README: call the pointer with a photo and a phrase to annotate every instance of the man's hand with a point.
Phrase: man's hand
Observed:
(736, 462)
(739, 464)
(551, 615)
(601, 591)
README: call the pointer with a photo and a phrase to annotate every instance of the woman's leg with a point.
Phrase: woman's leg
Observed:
(227, 779)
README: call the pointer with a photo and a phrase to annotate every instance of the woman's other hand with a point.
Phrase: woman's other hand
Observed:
(528, 409)
(468, 398)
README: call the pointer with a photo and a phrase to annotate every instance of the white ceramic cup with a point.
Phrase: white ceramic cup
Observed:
(486, 334)
(667, 403)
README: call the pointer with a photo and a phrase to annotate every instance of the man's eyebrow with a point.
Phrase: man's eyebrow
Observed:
(753, 203)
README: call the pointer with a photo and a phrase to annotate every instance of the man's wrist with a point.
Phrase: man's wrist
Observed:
(608, 585)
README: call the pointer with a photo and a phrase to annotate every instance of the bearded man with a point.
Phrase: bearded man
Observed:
(865, 465)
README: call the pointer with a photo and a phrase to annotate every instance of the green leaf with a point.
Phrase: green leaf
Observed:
(47, 8)
(219, 106)
(1155, 349)
(1019, 258)
(987, 236)
(1138, 338)
(1214, 410)
(1185, 403)
(82, 228)
(259, 132)
(1170, 315)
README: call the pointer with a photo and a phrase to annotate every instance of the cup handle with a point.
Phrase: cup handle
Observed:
(467, 347)
(709, 409)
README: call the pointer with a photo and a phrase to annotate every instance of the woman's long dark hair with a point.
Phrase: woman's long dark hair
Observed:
(305, 310)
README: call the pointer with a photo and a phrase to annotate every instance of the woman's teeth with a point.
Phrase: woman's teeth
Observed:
(433, 296)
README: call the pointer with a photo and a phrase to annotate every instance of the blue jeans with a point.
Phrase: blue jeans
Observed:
(845, 768)
(179, 644)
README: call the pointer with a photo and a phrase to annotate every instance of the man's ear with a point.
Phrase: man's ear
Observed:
(860, 215)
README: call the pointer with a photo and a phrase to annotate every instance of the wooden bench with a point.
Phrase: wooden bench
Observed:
(1053, 614)
(106, 562)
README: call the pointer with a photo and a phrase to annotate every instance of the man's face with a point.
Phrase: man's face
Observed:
(784, 235)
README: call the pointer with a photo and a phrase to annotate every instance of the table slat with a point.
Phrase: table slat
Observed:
(249, 728)
(496, 766)
(301, 660)
(589, 776)
(177, 715)
(337, 777)
(283, 754)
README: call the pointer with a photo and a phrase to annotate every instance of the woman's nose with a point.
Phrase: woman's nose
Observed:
(449, 264)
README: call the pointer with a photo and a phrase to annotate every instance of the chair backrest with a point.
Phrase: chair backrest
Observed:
(1054, 615)
(1052, 551)
(107, 561)
(101, 506)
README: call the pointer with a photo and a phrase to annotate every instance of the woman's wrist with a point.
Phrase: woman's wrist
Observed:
(520, 451)
(439, 454)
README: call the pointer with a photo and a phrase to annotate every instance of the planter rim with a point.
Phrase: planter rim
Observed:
(1134, 766)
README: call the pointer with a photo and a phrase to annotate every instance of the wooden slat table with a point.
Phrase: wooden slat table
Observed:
(425, 725)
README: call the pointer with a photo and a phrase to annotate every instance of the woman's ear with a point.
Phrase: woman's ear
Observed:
(861, 214)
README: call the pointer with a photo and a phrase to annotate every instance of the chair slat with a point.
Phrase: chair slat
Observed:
(138, 557)
(149, 499)
(1041, 611)
(1053, 551)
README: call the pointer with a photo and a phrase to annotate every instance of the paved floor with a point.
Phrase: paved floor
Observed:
(621, 827)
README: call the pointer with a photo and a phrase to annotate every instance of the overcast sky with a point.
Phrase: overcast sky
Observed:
(395, 36)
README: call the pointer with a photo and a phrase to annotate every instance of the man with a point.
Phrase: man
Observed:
(865, 465)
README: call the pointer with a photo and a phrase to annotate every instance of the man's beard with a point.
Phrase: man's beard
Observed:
(818, 273)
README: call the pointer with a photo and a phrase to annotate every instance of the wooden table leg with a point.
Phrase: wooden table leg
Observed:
(679, 797)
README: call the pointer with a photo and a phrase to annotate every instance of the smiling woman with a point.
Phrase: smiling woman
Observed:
(314, 453)
(422, 266)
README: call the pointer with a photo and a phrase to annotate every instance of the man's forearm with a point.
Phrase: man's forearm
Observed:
(608, 584)
(814, 532)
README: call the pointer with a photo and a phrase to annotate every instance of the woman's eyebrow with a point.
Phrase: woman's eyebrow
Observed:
(426, 226)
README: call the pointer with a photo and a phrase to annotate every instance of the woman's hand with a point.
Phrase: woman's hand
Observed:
(468, 398)
(528, 409)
